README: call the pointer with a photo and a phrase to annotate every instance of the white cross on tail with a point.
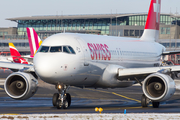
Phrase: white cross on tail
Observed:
(157, 9)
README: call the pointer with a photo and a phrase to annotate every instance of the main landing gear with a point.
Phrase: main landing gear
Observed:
(61, 99)
(145, 101)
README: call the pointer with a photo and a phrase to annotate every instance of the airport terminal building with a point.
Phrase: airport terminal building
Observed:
(124, 25)
(105, 24)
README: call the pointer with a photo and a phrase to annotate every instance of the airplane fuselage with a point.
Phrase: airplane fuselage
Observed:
(93, 53)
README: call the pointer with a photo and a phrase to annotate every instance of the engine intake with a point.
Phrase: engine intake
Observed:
(158, 87)
(20, 85)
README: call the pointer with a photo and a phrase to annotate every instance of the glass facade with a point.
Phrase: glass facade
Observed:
(101, 24)
(60, 25)
(3, 33)
(19, 44)
(171, 45)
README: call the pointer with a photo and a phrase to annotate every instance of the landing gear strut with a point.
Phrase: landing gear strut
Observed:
(61, 99)
(145, 101)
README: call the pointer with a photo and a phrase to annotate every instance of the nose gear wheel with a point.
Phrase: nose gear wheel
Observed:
(61, 99)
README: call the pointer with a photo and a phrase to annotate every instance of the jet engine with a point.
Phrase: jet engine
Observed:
(158, 87)
(20, 85)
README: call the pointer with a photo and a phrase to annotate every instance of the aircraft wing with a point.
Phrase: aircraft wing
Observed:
(170, 52)
(131, 73)
(17, 66)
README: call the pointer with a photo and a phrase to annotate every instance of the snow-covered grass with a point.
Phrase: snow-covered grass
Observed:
(141, 116)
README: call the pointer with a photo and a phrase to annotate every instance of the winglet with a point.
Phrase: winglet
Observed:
(151, 31)
(34, 40)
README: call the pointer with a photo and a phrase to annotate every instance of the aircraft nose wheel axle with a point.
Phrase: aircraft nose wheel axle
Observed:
(61, 99)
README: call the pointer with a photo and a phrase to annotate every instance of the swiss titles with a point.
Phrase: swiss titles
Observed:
(99, 51)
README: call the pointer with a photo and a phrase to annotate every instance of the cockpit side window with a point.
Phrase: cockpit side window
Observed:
(65, 49)
(56, 49)
(71, 49)
(44, 49)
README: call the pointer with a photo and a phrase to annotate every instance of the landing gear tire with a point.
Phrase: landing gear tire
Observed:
(155, 104)
(59, 104)
(55, 99)
(63, 99)
(144, 101)
(68, 98)
(65, 104)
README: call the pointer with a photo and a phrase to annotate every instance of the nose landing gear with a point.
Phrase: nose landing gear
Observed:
(61, 99)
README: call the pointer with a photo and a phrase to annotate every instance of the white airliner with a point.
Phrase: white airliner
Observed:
(97, 61)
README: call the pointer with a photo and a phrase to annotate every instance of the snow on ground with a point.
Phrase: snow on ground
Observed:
(144, 116)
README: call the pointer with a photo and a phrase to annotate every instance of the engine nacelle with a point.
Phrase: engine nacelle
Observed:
(20, 85)
(158, 87)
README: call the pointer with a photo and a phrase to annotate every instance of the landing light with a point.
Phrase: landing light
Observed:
(59, 86)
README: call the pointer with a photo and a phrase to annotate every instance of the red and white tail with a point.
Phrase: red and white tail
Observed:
(151, 31)
(16, 56)
(34, 41)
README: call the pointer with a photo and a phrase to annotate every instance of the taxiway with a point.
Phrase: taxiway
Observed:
(85, 101)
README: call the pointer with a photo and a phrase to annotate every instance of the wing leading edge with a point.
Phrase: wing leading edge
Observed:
(17, 66)
(131, 73)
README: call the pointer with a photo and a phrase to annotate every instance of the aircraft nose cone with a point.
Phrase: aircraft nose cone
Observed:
(42, 66)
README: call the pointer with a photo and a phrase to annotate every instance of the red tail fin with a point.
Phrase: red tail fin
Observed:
(151, 31)
(34, 40)
(16, 56)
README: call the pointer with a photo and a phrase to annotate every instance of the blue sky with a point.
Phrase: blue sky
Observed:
(22, 8)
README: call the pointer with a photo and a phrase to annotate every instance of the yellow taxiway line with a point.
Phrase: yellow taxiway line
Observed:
(126, 97)
(117, 95)
(1, 89)
(10, 114)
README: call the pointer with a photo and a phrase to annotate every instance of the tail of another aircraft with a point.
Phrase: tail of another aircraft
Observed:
(34, 41)
(16, 56)
(151, 31)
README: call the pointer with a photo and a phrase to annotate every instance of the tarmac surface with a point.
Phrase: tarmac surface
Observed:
(85, 101)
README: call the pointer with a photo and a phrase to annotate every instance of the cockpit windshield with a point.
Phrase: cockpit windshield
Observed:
(56, 49)
(71, 49)
(53, 49)
(65, 49)
(44, 49)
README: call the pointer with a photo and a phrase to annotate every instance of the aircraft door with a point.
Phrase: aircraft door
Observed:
(84, 50)
(119, 54)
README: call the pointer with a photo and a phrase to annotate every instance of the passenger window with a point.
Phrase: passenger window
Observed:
(71, 49)
(65, 49)
(56, 49)
(44, 49)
